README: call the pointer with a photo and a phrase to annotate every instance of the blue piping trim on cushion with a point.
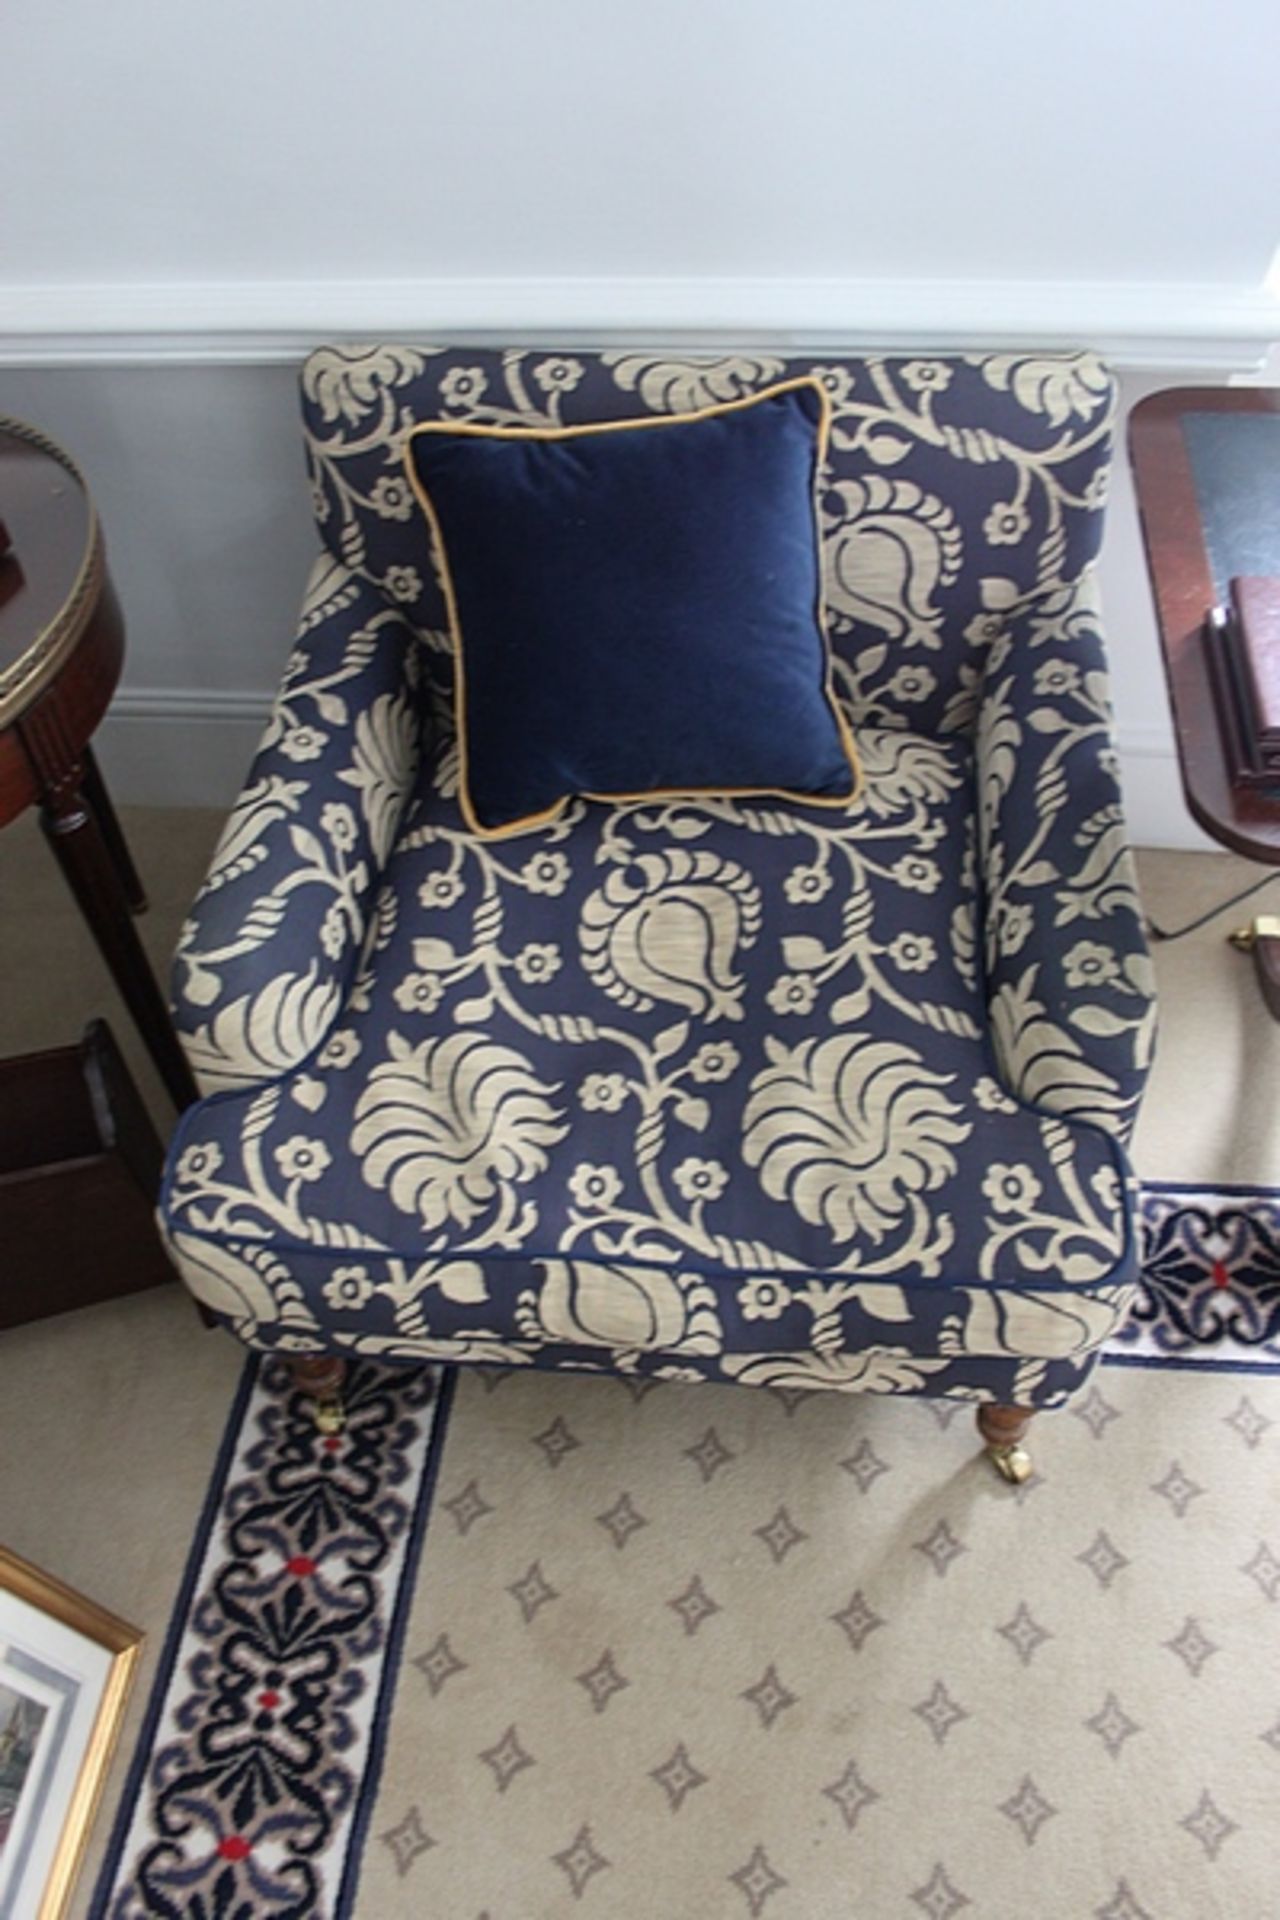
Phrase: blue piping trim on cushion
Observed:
(1237, 1189)
(1189, 1364)
(278, 1243)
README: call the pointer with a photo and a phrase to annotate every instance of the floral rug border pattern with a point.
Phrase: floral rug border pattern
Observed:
(258, 1761)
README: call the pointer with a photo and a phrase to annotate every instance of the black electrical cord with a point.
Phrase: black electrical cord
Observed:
(1192, 926)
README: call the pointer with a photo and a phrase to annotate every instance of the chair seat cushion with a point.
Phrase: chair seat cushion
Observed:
(701, 1088)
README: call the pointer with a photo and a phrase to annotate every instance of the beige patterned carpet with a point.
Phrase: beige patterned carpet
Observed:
(695, 1652)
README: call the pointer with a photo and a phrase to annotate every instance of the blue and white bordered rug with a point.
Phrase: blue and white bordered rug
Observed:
(253, 1786)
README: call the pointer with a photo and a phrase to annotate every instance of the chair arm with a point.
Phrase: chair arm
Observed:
(1070, 985)
(266, 953)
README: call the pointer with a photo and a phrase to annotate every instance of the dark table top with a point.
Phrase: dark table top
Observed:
(1206, 464)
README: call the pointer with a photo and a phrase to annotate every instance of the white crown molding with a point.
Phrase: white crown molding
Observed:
(1151, 324)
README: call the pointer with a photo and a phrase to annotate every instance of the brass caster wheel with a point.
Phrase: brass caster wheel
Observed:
(318, 1378)
(1263, 926)
(329, 1415)
(1011, 1463)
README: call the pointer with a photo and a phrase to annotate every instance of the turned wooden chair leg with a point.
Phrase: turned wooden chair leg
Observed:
(321, 1375)
(1003, 1429)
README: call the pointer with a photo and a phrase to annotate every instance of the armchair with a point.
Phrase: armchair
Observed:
(705, 1088)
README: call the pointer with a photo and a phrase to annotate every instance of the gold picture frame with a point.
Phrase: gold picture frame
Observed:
(66, 1667)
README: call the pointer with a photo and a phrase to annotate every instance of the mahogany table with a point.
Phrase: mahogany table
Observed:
(61, 648)
(1206, 464)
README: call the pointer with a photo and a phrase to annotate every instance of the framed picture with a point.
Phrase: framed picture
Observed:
(65, 1670)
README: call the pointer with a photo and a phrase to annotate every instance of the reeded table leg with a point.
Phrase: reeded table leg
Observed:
(73, 831)
(94, 789)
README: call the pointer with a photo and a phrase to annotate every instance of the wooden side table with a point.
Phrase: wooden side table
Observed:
(61, 648)
(1206, 467)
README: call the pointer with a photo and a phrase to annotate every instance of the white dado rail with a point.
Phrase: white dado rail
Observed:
(1149, 324)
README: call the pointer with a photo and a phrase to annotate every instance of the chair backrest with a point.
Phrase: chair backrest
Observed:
(957, 487)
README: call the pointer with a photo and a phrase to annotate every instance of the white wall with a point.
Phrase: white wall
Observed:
(394, 139)
(1065, 169)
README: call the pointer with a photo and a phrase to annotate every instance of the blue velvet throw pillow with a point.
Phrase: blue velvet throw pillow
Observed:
(636, 607)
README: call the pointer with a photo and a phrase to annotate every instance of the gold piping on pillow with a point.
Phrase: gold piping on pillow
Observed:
(638, 424)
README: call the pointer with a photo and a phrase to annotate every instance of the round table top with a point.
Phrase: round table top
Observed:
(51, 574)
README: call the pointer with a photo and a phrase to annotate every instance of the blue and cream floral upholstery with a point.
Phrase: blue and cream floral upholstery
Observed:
(706, 1089)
